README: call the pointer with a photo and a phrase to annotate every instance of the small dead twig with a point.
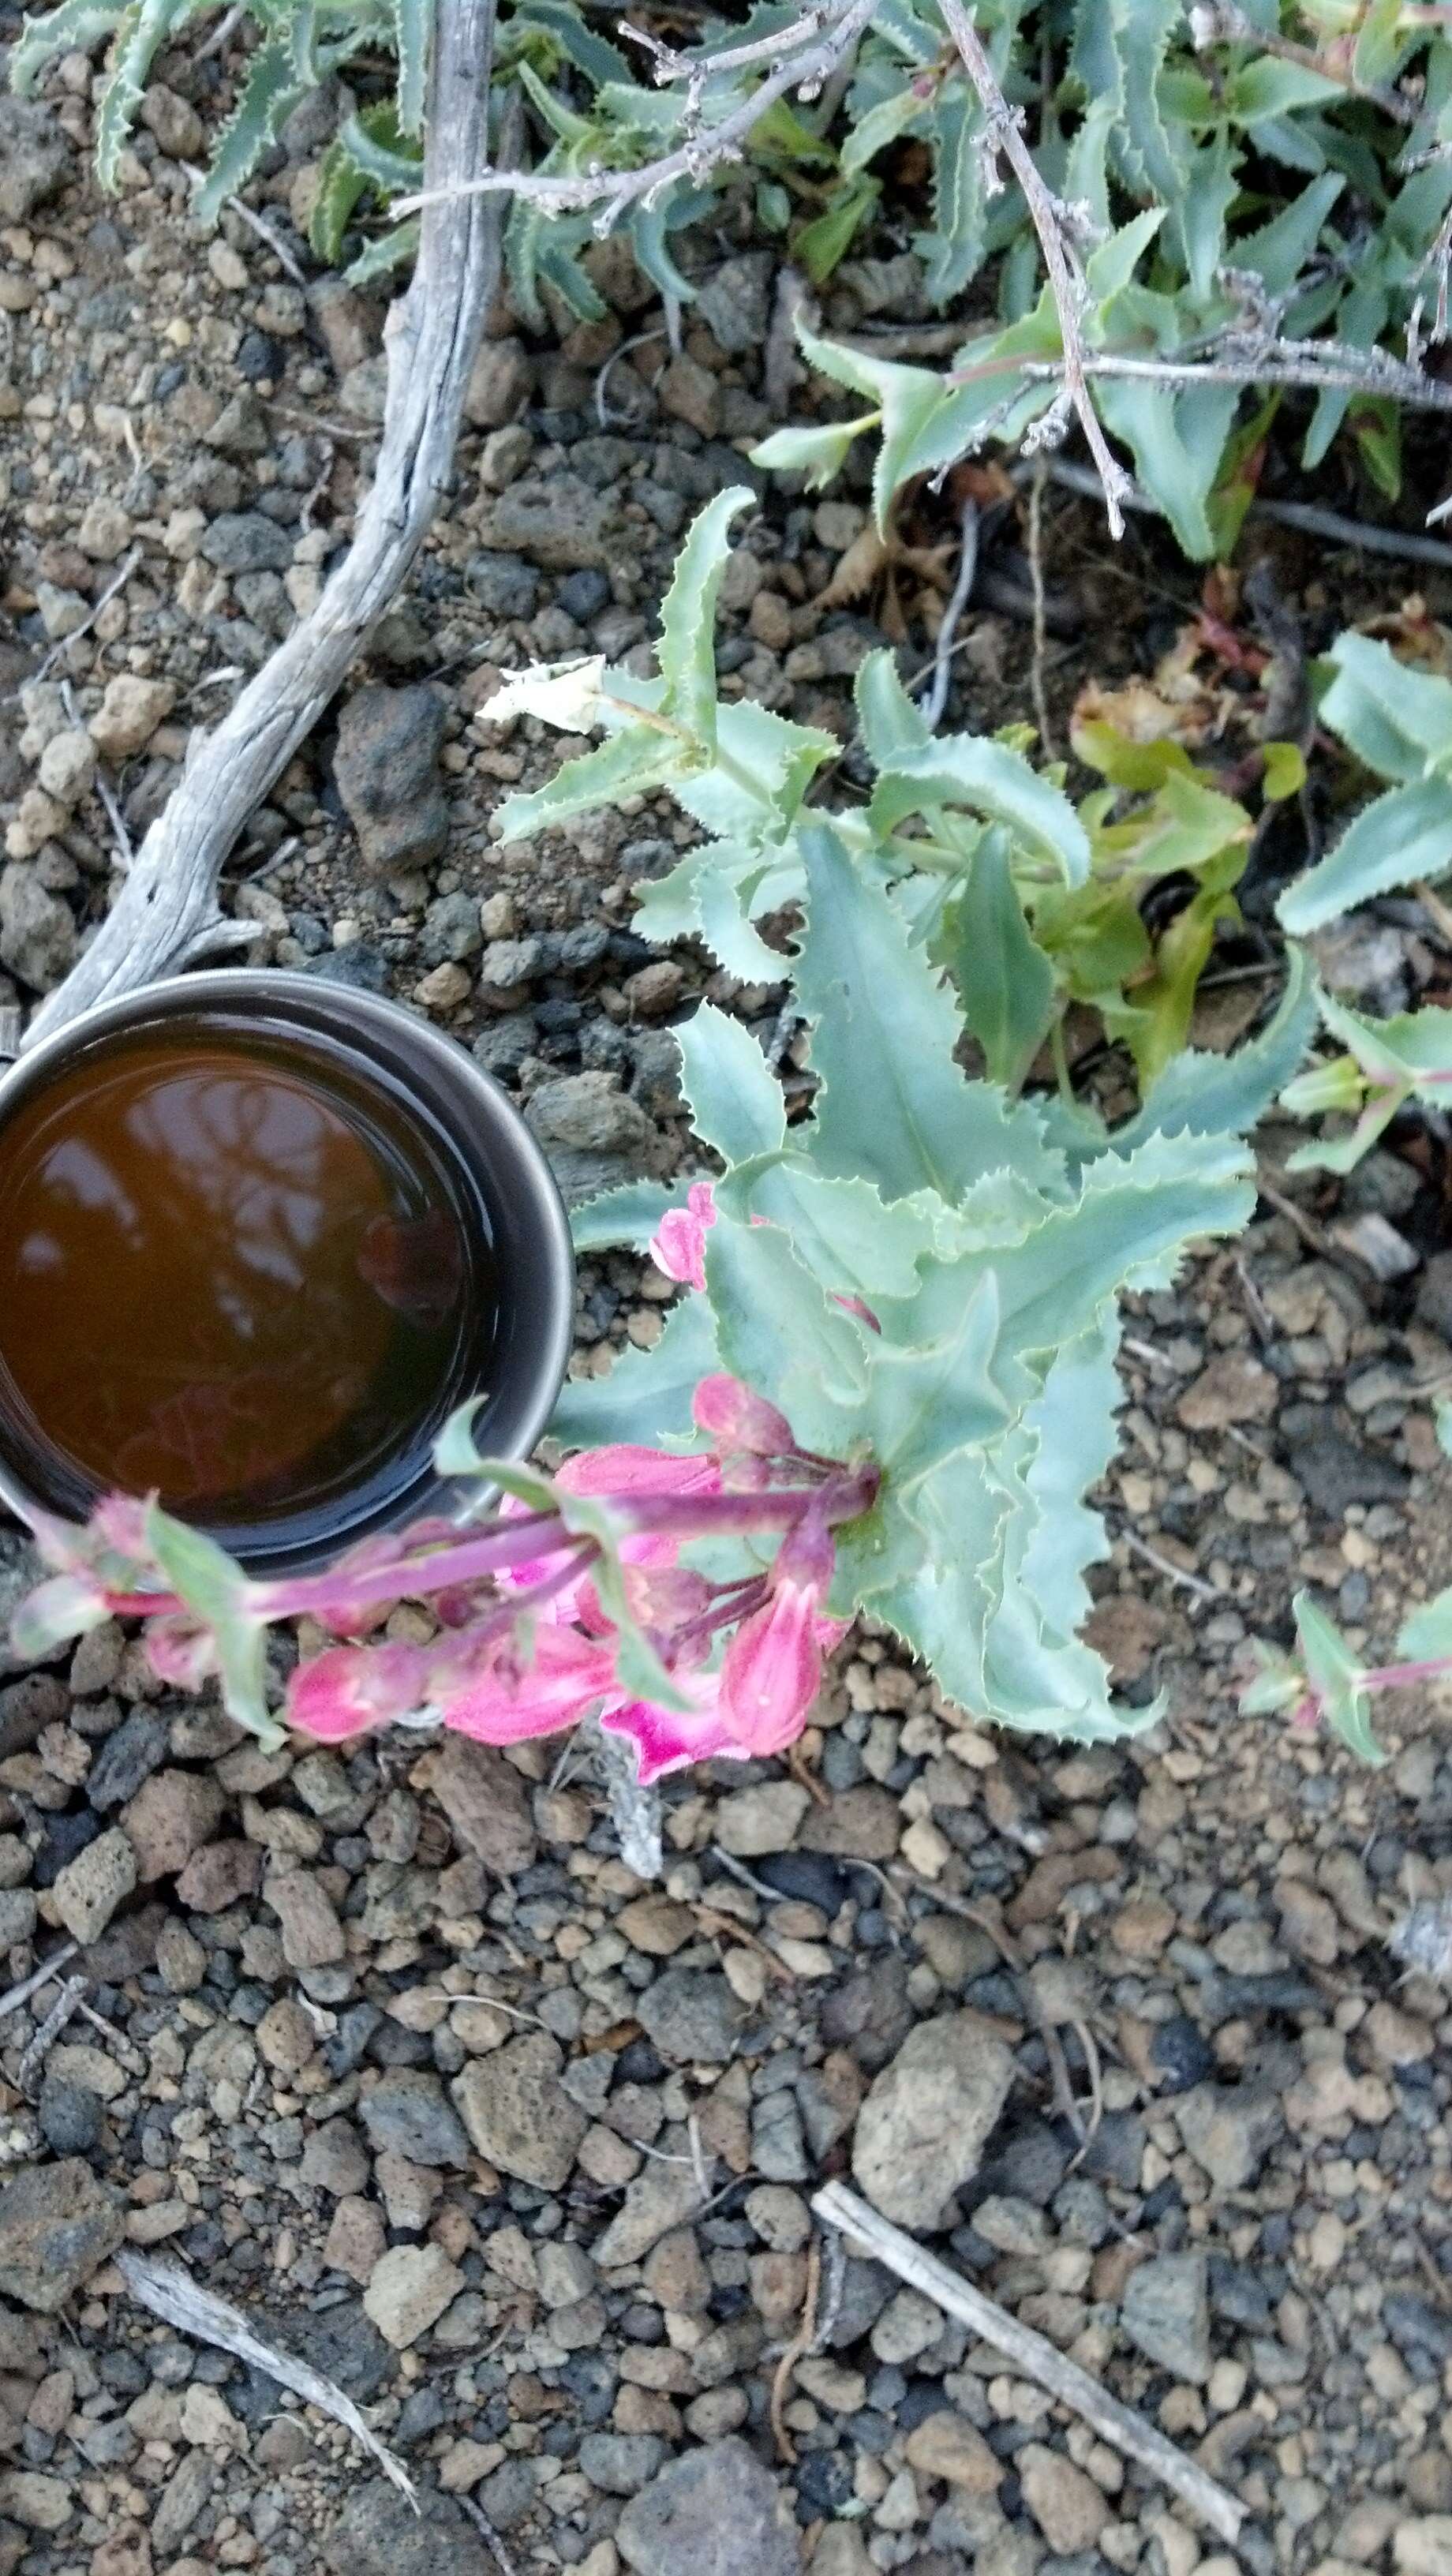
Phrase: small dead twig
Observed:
(1005, 132)
(118, 581)
(37, 1978)
(38, 2046)
(935, 698)
(1308, 516)
(259, 225)
(168, 2291)
(487, 2533)
(1166, 1565)
(1041, 605)
(804, 68)
(801, 2343)
(1034, 2356)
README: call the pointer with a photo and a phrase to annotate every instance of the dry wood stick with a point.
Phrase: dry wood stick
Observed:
(167, 912)
(1034, 2355)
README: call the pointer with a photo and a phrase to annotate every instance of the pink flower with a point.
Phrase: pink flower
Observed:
(626, 1469)
(348, 1690)
(665, 1739)
(564, 1678)
(679, 1245)
(773, 1666)
(738, 1419)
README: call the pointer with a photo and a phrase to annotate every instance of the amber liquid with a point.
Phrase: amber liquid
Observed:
(235, 1271)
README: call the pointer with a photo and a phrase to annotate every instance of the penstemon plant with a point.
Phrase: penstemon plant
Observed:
(890, 1380)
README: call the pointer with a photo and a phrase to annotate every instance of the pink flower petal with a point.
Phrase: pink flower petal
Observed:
(666, 1740)
(736, 1418)
(510, 1701)
(347, 1690)
(678, 1248)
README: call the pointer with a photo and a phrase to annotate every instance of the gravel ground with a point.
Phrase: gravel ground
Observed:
(395, 2052)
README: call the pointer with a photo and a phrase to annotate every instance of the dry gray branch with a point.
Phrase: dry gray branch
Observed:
(1034, 2355)
(1005, 132)
(167, 912)
(169, 2292)
(613, 190)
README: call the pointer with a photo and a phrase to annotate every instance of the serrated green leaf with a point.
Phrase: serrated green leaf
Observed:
(74, 25)
(1396, 719)
(629, 1215)
(687, 653)
(1005, 982)
(779, 1331)
(1405, 834)
(850, 1240)
(412, 29)
(824, 243)
(818, 454)
(894, 1107)
(963, 770)
(735, 1100)
(892, 725)
(1210, 1095)
(390, 251)
(1426, 1637)
(630, 763)
(269, 94)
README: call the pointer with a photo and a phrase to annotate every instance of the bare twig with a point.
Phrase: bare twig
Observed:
(1034, 2355)
(801, 2343)
(1041, 605)
(1308, 516)
(167, 2289)
(614, 190)
(1005, 132)
(1165, 1565)
(117, 582)
(259, 225)
(38, 1977)
(41, 2040)
(1224, 23)
(167, 913)
(936, 698)
(488, 2535)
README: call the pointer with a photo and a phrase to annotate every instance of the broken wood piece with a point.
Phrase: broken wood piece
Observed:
(1032, 2354)
(167, 914)
(167, 2289)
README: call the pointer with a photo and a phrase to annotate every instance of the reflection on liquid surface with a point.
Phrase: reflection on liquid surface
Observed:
(222, 1275)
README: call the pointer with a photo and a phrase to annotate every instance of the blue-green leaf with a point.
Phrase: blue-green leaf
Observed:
(735, 1100)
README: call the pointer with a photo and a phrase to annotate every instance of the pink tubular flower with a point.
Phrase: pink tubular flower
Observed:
(773, 1666)
(737, 1419)
(348, 1690)
(564, 1678)
(679, 1246)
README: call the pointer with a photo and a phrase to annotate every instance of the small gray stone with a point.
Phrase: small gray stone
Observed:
(408, 2291)
(690, 2015)
(380, 2533)
(734, 303)
(1166, 2311)
(408, 2114)
(128, 1757)
(622, 2463)
(923, 2127)
(1229, 2130)
(518, 2113)
(591, 1113)
(58, 2224)
(71, 2117)
(560, 525)
(715, 2511)
(245, 541)
(1333, 1469)
(387, 771)
(37, 930)
(90, 1887)
(34, 156)
(17, 1917)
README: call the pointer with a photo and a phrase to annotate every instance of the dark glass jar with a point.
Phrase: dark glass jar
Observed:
(260, 1235)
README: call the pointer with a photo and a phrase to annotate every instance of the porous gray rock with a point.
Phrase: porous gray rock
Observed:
(923, 2127)
(58, 2225)
(715, 2511)
(387, 771)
